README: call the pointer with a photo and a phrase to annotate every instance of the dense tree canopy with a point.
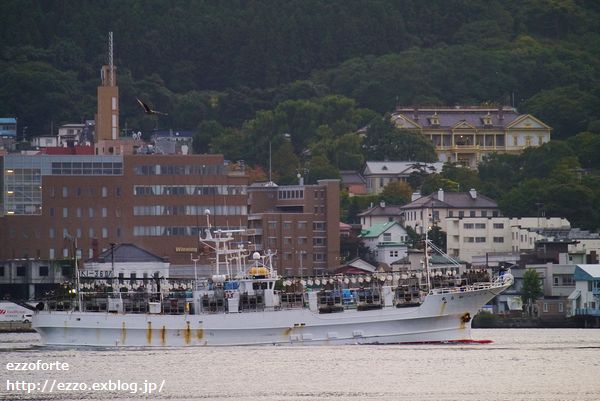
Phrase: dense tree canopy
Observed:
(313, 80)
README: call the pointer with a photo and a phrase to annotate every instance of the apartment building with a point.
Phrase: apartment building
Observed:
(299, 222)
(470, 237)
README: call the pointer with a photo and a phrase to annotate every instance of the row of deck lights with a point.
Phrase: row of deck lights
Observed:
(365, 279)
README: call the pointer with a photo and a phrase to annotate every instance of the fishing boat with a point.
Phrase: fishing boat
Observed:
(246, 302)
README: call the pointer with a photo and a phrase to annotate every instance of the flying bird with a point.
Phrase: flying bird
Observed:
(148, 110)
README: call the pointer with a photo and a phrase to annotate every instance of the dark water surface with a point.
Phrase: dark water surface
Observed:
(521, 364)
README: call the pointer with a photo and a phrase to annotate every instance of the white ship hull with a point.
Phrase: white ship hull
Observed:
(440, 318)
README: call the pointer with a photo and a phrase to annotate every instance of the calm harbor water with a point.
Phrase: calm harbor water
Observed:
(520, 364)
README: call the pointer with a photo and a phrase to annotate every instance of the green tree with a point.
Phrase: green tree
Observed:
(396, 193)
(206, 133)
(532, 288)
(437, 236)
(384, 141)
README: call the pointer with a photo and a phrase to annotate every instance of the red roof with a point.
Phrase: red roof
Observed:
(76, 150)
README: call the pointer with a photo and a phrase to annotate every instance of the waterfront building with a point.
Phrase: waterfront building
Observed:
(156, 202)
(300, 222)
(585, 299)
(466, 134)
(472, 238)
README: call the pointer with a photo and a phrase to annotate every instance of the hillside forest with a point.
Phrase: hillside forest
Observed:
(314, 81)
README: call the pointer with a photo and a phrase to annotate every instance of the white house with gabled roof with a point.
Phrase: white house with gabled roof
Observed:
(379, 174)
(386, 241)
(585, 298)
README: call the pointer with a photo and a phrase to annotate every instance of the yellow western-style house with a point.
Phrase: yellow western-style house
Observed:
(466, 134)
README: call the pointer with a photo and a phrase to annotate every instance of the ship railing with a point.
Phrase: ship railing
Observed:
(466, 288)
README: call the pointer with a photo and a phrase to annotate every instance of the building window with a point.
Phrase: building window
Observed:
(118, 212)
(556, 281)
(480, 240)
(472, 213)
(393, 254)
(43, 271)
(499, 240)
(468, 226)
(287, 225)
(104, 232)
(91, 232)
(65, 213)
(118, 191)
(484, 213)
(78, 212)
(21, 271)
(1, 271)
(561, 307)
(51, 211)
(387, 237)
(450, 213)
(317, 257)
(499, 225)
(65, 192)
(78, 233)
(91, 212)
(104, 212)
(318, 241)
(545, 307)
(302, 225)
(302, 241)
(104, 192)
(51, 253)
(468, 239)
(118, 232)
(319, 226)
(480, 225)
(461, 214)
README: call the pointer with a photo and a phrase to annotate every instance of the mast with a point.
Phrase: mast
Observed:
(426, 264)
(110, 59)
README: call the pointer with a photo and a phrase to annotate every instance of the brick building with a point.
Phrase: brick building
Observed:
(301, 222)
(157, 202)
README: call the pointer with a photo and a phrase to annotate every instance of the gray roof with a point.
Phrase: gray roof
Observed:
(399, 167)
(450, 117)
(387, 210)
(462, 200)
(566, 233)
(351, 177)
(126, 253)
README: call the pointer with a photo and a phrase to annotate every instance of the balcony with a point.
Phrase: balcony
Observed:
(470, 147)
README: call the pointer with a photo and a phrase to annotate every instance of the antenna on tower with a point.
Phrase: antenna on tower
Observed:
(110, 58)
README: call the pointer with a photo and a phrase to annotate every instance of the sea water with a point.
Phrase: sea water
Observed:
(520, 364)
